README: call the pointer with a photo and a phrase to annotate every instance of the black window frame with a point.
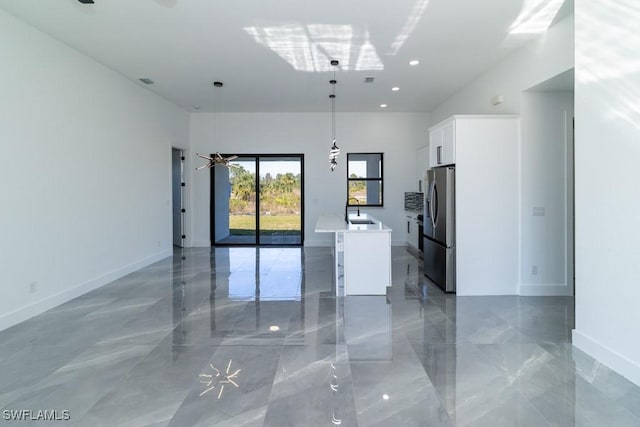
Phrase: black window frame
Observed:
(377, 179)
(257, 243)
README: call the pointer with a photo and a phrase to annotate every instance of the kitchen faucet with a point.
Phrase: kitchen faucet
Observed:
(346, 208)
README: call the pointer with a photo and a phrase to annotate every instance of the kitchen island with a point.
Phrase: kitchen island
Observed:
(362, 253)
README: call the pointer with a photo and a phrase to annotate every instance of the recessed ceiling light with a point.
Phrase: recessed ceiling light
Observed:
(414, 62)
(146, 80)
(383, 105)
(385, 396)
(395, 88)
(274, 328)
(196, 107)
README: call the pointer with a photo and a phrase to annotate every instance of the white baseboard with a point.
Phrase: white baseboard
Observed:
(545, 290)
(491, 293)
(319, 242)
(23, 313)
(614, 360)
(325, 243)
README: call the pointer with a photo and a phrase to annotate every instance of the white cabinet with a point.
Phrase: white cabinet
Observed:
(362, 254)
(487, 203)
(367, 262)
(422, 164)
(442, 144)
(412, 229)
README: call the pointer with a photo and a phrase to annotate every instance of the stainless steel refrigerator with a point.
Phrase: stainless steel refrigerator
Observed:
(439, 228)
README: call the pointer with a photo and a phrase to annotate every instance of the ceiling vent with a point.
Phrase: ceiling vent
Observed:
(86, 1)
(146, 80)
(368, 79)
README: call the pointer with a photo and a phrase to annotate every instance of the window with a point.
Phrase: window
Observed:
(364, 179)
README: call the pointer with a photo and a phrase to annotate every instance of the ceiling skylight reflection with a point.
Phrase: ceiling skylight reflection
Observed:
(312, 47)
(368, 58)
(607, 53)
(536, 16)
(329, 42)
(412, 21)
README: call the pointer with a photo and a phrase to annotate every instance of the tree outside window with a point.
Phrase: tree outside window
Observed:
(364, 179)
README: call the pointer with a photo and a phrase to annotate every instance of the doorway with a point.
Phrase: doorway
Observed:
(547, 188)
(258, 200)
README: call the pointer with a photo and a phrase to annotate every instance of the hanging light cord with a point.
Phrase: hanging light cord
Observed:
(333, 107)
(334, 150)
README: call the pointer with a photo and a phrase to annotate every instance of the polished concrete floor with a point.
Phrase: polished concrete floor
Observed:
(256, 337)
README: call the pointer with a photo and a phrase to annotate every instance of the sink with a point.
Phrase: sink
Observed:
(361, 221)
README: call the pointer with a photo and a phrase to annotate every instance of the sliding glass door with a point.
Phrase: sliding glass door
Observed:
(280, 201)
(258, 200)
(233, 196)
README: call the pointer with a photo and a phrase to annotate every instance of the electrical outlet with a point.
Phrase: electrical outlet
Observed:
(33, 287)
(534, 270)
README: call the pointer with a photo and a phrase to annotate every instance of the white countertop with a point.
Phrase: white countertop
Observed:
(336, 224)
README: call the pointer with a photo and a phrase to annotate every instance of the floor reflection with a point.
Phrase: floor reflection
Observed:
(260, 274)
(290, 353)
(367, 321)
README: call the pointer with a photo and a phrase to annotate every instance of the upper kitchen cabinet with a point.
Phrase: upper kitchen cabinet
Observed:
(422, 165)
(442, 143)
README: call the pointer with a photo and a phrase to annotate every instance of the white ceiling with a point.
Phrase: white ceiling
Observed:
(274, 55)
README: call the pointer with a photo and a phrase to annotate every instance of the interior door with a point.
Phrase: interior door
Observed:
(176, 190)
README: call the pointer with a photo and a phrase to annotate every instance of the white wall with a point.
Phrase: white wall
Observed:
(607, 156)
(397, 135)
(547, 56)
(86, 176)
(545, 179)
(487, 170)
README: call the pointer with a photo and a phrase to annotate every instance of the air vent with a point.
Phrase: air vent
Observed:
(86, 1)
(146, 80)
(368, 79)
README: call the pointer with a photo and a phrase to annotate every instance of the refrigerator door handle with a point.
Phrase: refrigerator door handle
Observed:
(431, 202)
(436, 203)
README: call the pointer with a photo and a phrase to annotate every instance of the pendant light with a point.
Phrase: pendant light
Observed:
(334, 150)
(216, 159)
